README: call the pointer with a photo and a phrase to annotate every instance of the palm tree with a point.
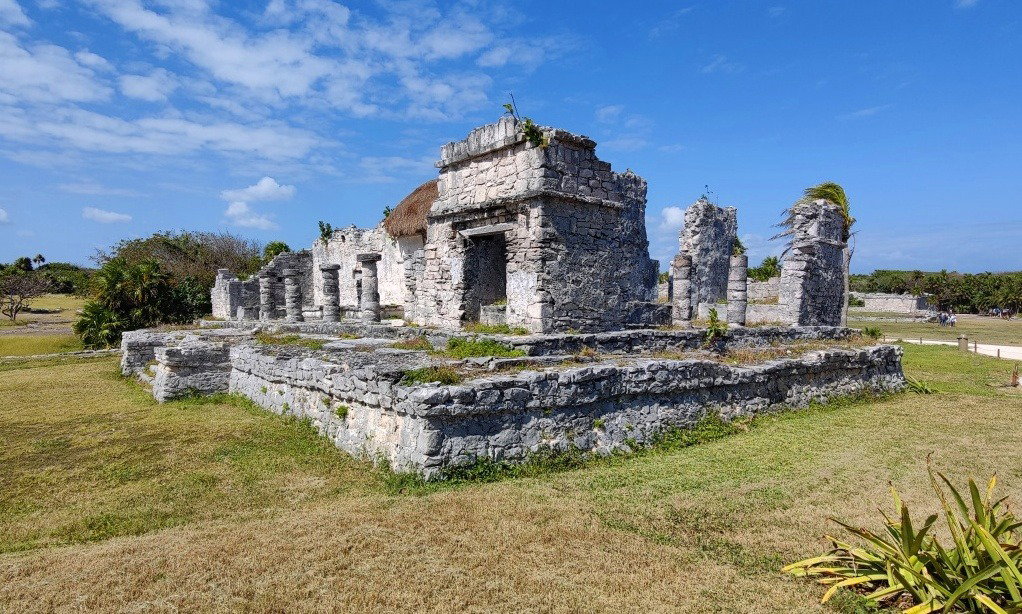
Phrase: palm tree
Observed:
(834, 193)
(39, 259)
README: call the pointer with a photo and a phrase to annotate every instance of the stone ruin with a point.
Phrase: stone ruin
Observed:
(544, 246)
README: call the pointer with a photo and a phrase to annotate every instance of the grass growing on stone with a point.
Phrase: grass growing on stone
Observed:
(441, 374)
(460, 348)
(495, 329)
(111, 502)
(416, 343)
(268, 339)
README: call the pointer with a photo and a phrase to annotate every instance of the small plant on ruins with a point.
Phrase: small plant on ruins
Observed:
(286, 406)
(341, 411)
(442, 374)
(268, 339)
(533, 133)
(386, 212)
(416, 343)
(325, 231)
(495, 329)
(499, 303)
(872, 332)
(715, 328)
(977, 572)
(587, 352)
(458, 347)
(274, 249)
(599, 423)
(737, 248)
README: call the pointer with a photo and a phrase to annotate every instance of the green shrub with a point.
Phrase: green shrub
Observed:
(855, 301)
(872, 332)
(977, 572)
(918, 386)
(715, 328)
(341, 411)
(442, 374)
(471, 348)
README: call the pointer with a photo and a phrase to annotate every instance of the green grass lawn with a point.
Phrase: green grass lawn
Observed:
(976, 328)
(27, 345)
(109, 501)
(68, 304)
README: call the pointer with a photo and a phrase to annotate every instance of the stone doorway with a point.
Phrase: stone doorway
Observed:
(485, 276)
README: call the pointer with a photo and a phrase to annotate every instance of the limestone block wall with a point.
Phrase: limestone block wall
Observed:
(764, 290)
(342, 248)
(812, 281)
(577, 252)
(708, 238)
(897, 303)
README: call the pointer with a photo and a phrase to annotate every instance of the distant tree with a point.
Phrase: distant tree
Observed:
(274, 248)
(770, 267)
(24, 263)
(39, 259)
(325, 231)
(17, 289)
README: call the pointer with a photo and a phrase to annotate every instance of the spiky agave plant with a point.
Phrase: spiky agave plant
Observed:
(977, 572)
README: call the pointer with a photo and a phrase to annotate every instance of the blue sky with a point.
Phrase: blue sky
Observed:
(119, 118)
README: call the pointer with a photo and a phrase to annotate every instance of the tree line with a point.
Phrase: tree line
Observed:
(959, 292)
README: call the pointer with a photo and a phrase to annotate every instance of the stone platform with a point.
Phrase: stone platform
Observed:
(600, 392)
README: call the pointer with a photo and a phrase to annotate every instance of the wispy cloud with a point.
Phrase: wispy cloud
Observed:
(721, 64)
(867, 112)
(4, 217)
(609, 113)
(964, 4)
(12, 13)
(776, 11)
(94, 189)
(104, 217)
(240, 214)
(670, 23)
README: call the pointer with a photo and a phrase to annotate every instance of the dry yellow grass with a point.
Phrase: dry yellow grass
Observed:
(982, 329)
(213, 507)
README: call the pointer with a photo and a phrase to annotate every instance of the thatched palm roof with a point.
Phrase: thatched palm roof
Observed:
(409, 217)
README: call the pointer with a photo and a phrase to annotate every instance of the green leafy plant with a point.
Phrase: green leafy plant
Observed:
(325, 231)
(737, 248)
(872, 332)
(442, 374)
(458, 347)
(715, 328)
(770, 267)
(533, 133)
(977, 572)
(341, 411)
(918, 386)
(387, 211)
(599, 423)
(274, 248)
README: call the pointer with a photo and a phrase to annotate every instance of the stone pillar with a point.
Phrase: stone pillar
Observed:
(738, 290)
(293, 295)
(370, 301)
(681, 309)
(267, 298)
(812, 276)
(331, 299)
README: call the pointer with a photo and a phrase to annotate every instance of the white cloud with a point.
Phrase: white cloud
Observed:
(104, 217)
(672, 218)
(266, 188)
(720, 64)
(90, 59)
(46, 73)
(609, 112)
(964, 4)
(11, 13)
(4, 217)
(154, 87)
(240, 214)
(625, 143)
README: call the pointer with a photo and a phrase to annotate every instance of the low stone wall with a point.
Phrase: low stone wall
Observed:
(895, 303)
(764, 290)
(356, 397)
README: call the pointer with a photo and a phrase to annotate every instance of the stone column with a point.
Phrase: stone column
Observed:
(331, 299)
(267, 300)
(293, 295)
(738, 290)
(370, 303)
(681, 310)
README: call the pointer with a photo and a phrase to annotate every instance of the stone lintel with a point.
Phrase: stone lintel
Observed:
(492, 229)
(329, 267)
(505, 201)
(368, 257)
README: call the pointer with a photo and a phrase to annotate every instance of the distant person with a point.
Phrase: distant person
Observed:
(953, 320)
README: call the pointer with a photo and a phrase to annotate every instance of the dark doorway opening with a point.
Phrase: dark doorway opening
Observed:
(485, 273)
